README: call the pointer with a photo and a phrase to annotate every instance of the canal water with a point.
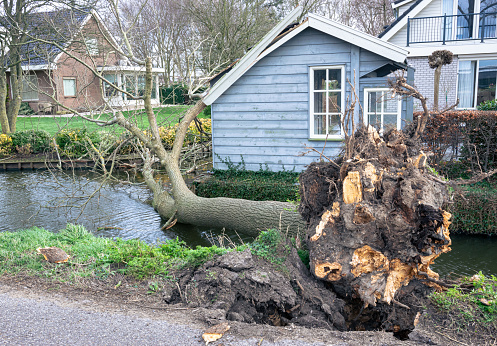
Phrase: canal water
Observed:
(52, 199)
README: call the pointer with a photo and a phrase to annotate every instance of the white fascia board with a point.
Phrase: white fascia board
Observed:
(394, 6)
(358, 38)
(475, 49)
(249, 59)
(403, 21)
(37, 67)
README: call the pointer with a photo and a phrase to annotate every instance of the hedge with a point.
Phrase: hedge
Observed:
(256, 186)
(475, 211)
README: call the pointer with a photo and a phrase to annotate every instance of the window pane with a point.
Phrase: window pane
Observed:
(29, 87)
(465, 8)
(390, 105)
(374, 102)
(130, 82)
(69, 87)
(320, 124)
(466, 84)
(319, 102)
(154, 87)
(92, 46)
(141, 85)
(389, 120)
(486, 80)
(334, 102)
(319, 79)
(334, 125)
(375, 120)
(110, 91)
(489, 7)
(334, 79)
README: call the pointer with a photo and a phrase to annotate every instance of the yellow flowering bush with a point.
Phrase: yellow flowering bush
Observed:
(167, 134)
(5, 144)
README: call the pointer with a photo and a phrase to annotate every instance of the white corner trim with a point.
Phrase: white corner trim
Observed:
(249, 59)
(403, 21)
(358, 38)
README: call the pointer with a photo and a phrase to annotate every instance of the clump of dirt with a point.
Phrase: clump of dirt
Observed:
(239, 286)
(375, 224)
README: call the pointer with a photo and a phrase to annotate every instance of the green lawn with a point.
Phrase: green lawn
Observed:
(165, 116)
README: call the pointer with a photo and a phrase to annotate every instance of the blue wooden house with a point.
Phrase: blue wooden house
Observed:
(292, 88)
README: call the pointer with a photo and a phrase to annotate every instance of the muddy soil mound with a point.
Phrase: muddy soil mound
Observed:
(375, 224)
(242, 287)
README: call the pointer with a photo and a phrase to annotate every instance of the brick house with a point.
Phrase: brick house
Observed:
(52, 76)
(467, 28)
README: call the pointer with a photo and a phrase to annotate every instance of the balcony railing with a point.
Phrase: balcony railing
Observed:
(460, 27)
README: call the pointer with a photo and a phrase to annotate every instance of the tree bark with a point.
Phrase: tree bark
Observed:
(436, 86)
(4, 120)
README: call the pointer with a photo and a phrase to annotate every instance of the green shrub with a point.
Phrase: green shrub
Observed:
(38, 140)
(175, 94)
(475, 212)
(490, 105)
(25, 109)
(76, 142)
(256, 186)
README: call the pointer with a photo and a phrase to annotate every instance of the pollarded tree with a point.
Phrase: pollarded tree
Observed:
(437, 60)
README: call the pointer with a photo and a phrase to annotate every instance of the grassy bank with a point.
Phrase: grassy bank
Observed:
(95, 257)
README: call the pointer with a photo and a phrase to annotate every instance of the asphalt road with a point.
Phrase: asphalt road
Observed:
(27, 321)
(38, 319)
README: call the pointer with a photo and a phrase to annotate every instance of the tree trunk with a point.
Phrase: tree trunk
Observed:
(4, 121)
(15, 102)
(436, 86)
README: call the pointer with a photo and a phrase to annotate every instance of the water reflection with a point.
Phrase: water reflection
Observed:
(51, 200)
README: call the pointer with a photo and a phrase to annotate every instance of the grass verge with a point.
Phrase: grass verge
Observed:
(468, 311)
(95, 257)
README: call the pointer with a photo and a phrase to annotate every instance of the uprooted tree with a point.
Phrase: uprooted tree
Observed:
(178, 203)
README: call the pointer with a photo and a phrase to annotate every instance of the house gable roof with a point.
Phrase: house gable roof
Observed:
(54, 26)
(275, 39)
(399, 23)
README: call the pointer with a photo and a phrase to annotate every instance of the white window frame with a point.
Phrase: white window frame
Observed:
(475, 81)
(92, 45)
(30, 75)
(367, 92)
(312, 135)
(75, 86)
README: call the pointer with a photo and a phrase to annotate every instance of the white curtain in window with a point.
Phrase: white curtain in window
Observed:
(69, 87)
(448, 9)
(466, 84)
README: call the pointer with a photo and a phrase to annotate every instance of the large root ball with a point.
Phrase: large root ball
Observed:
(375, 224)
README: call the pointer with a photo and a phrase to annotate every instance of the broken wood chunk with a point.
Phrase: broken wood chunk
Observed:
(215, 332)
(327, 217)
(366, 260)
(352, 188)
(399, 274)
(330, 271)
(53, 254)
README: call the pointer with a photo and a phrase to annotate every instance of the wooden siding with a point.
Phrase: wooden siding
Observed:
(263, 118)
(434, 8)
